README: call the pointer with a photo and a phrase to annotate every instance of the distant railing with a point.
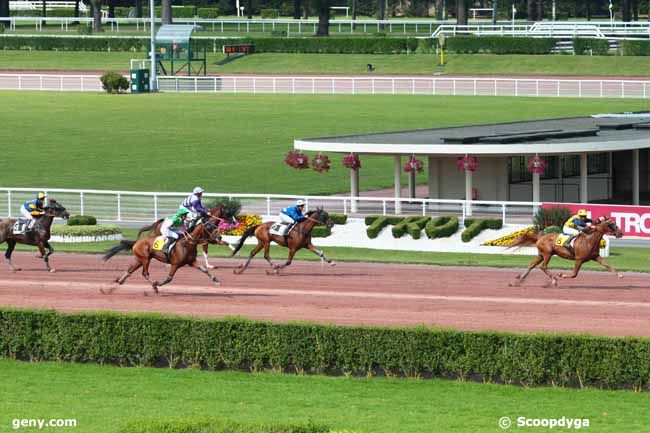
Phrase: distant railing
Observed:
(67, 83)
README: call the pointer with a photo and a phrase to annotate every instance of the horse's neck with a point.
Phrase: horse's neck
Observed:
(46, 222)
(309, 224)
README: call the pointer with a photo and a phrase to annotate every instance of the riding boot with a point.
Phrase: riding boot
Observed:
(169, 244)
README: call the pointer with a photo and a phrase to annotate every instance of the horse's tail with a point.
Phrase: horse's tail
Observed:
(240, 243)
(149, 227)
(525, 240)
(123, 245)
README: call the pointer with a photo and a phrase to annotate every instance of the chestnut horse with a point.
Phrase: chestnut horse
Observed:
(39, 235)
(184, 253)
(586, 247)
(298, 238)
(215, 212)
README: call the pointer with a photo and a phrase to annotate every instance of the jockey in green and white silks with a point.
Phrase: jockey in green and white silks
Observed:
(171, 227)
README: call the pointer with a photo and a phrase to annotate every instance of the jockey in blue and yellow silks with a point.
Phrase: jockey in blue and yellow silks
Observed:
(33, 209)
(576, 223)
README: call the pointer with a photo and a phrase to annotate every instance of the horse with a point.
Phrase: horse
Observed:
(298, 238)
(586, 247)
(215, 212)
(183, 254)
(39, 235)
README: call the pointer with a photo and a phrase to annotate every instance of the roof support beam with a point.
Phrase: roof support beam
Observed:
(354, 190)
(468, 192)
(433, 166)
(584, 178)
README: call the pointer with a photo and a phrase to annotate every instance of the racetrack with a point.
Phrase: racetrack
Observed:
(469, 298)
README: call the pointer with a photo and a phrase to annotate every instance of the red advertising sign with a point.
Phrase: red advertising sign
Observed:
(632, 220)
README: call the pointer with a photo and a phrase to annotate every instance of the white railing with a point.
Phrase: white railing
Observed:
(16, 5)
(477, 86)
(141, 207)
(68, 83)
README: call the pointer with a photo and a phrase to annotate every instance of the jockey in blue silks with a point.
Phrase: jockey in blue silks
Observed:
(293, 214)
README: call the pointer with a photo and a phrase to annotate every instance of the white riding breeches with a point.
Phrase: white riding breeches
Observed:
(286, 219)
(570, 231)
(25, 213)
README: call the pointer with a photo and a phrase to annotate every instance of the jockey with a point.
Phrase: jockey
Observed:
(293, 214)
(168, 227)
(33, 209)
(577, 223)
(192, 204)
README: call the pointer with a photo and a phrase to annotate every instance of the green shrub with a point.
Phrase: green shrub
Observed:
(399, 229)
(552, 229)
(368, 220)
(238, 344)
(550, 216)
(82, 220)
(499, 45)
(269, 13)
(114, 82)
(379, 223)
(279, 33)
(231, 207)
(215, 425)
(415, 228)
(339, 219)
(321, 232)
(208, 13)
(85, 29)
(441, 227)
(474, 226)
(89, 230)
(597, 47)
(635, 48)
(2, 28)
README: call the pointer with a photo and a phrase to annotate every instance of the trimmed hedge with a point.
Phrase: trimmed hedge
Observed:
(499, 45)
(399, 229)
(82, 220)
(320, 232)
(216, 425)
(635, 48)
(474, 226)
(415, 228)
(441, 227)
(339, 218)
(269, 13)
(157, 340)
(379, 223)
(597, 47)
(91, 230)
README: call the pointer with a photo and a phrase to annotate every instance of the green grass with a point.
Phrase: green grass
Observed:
(478, 64)
(104, 398)
(624, 258)
(227, 143)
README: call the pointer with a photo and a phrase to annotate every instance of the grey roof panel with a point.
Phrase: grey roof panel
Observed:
(175, 33)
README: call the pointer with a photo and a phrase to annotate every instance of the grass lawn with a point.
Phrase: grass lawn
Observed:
(227, 143)
(347, 63)
(104, 398)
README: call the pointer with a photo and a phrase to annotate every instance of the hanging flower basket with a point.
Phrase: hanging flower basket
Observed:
(296, 160)
(467, 163)
(536, 165)
(414, 165)
(352, 161)
(321, 163)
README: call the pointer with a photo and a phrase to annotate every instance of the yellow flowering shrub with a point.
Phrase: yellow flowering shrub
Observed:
(507, 240)
(245, 221)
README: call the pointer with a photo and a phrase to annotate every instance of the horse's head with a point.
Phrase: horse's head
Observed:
(322, 217)
(211, 229)
(224, 212)
(55, 209)
(608, 224)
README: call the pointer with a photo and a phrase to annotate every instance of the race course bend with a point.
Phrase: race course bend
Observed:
(469, 298)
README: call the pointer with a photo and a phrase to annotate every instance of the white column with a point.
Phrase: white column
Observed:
(468, 191)
(584, 178)
(536, 187)
(354, 190)
(635, 177)
(397, 173)
(433, 165)
(610, 181)
(411, 184)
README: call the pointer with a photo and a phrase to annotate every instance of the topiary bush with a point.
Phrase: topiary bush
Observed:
(379, 223)
(635, 48)
(399, 229)
(415, 228)
(551, 216)
(321, 232)
(86, 230)
(2, 28)
(441, 227)
(231, 206)
(82, 220)
(597, 47)
(114, 82)
(474, 226)
(339, 219)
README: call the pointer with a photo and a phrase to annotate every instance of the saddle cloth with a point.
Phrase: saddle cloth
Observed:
(20, 227)
(279, 229)
(159, 243)
(564, 241)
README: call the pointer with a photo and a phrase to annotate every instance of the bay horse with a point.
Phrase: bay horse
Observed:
(298, 238)
(183, 254)
(39, 235)
(586, 247)
(216, 212)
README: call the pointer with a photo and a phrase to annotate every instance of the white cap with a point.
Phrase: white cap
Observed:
(197, 190)
(300, 203)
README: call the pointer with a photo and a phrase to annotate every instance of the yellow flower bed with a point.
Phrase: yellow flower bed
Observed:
(507, 240)
(245, 221)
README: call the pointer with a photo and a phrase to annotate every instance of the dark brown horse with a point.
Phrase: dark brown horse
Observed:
(298, 238)
(586, 247)
(215, 212)
(183, 254)
(39, 235)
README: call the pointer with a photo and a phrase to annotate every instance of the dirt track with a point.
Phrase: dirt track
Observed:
(349, 293)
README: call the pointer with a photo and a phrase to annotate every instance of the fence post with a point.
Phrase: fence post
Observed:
(474, 87)
(268, 205)
(393, 81)
(119, 207)
(601, 88)
(313, 85)
(580, 89)
(155, 206)
(81, 202)
(345, 207)
(383, 205)
(61, 82)
(503, 213)
(424, 208)
(558, 88)
(196, 84)
(623, 89)
(293, 85)
(274, 85)
(516, 87)
(537, 88)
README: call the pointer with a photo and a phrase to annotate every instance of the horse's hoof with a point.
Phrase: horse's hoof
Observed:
(15, 269)
(332, 264)
(620, 275)
(209, 267)
(52, 270)
(517, 283)
(554, 282)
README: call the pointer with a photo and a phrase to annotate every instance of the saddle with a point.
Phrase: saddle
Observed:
(565, 241)
(280, 229)
(20, 226)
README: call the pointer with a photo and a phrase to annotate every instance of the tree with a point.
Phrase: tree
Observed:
(4, 11)
(111, 8)
(44, 14)
(96, 7)
(166, 12)
(249, 9)
(625, 5)
(296, 9)
(138, 8)
(323, 9)
(495, 9)
(381, 12)
(461, 12)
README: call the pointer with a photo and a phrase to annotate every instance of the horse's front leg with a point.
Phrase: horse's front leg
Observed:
(46, 256)
(320, 254)
(214, 279)
(170, 276)
(576, 269)
(520, 278)
(607, 266)
(11, 244)
(205, 256)
(276, 269)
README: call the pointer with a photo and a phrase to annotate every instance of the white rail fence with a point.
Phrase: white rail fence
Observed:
(141, 207)
(465, 86)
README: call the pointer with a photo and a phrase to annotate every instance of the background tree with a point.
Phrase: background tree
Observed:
(138, 8)
(44, 12)
(461, 12)
(96, 8)
(297, 9)
(495, 10)
(111, 8)
(166, 11)
(381, 13)
(4, 11)
(323, 9)
(625, 10)
(249, 9)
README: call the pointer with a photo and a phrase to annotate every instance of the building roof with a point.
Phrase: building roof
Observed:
(600, 133)
(175, 33)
